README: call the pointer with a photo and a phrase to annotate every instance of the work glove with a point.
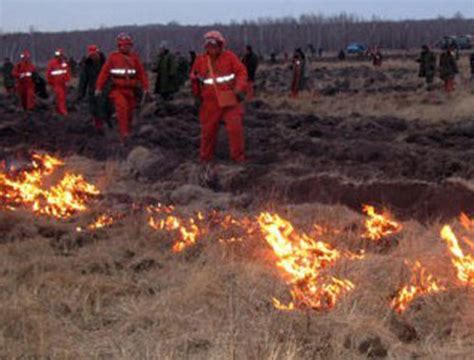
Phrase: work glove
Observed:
(240, 96)
(97, 92)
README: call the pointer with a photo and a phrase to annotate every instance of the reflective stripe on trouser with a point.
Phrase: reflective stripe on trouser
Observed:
(210, 116)
(124, 102)
(60, 92)
(26, 92)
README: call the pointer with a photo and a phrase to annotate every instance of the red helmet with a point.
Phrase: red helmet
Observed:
(25, 54)
(214, 37)
(124, 39)
(59, 52)
(92, 49)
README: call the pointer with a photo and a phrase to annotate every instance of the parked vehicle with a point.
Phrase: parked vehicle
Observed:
(356, 48)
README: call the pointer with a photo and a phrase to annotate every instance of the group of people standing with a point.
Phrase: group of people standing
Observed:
(447, 67)
(220, 82)
(22, 78)
(219, 79)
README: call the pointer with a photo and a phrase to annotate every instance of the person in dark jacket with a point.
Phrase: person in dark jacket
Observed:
(90, 69)
(376, 57)
(471, 62)
(192, 58)
(166, 69)
(342, 55)
(73, 66)
(8, 78)
(250, 60)
(298, 66)
(273, 58)
(183, 69)
(448, 68)
(427, 61)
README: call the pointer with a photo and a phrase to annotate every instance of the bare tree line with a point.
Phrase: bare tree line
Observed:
(265, 35)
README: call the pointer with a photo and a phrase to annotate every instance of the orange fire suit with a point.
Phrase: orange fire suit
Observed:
(229, 74)
(23, 72)
(126, 72)
(58, 75)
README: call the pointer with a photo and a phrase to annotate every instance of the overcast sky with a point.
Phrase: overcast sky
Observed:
(58, 15)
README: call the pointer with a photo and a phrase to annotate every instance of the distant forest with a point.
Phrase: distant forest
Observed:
(265, 35)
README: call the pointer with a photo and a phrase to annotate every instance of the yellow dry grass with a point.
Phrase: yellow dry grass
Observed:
(121, 293)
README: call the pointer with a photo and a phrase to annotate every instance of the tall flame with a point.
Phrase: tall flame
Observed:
(421, 283)
(378, 226)
(302, 260)
(464, 264)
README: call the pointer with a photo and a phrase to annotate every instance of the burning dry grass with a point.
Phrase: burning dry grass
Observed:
(121, 292)
(114, 280)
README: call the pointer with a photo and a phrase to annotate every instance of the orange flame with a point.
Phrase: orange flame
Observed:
(236, 229)
(422, 283)
(467, 222)
(102, 221)
(187, 229)
(464, 264)
(61, 201)
(378, 226)
(302, 260)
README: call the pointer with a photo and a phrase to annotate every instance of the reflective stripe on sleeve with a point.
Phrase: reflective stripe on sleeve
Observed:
(26, 74)
(219, 80)
(123, 72)
(58, 72)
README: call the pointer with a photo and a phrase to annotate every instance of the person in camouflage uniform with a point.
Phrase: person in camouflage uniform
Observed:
(166, 69)
(427, 61)
(448, 68)
(8, 78)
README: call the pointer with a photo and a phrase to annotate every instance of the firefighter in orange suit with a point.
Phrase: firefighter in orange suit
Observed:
(23, 73)
(126, 71)
(219, 83)
(58, 75)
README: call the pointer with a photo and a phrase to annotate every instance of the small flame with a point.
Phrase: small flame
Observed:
(378, 226)
(464, 264)
(302, 259)
(187, 229)
(422, 283)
